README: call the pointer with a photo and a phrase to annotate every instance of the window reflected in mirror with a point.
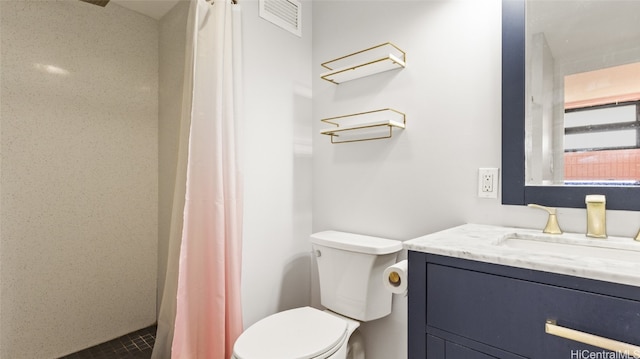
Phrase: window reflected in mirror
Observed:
(601, 126)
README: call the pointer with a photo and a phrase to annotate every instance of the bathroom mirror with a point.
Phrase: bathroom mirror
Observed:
(532, 179)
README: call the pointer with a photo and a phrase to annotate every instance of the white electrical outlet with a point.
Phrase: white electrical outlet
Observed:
(488, 182)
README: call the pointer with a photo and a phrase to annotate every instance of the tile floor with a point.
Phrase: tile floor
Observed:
(136, 345)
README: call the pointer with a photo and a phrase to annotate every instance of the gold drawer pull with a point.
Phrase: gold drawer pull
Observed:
(633, 351)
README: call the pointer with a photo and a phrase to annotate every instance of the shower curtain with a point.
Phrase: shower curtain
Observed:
(200, 313)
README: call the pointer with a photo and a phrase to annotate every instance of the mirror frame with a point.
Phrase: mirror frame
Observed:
(514, 189)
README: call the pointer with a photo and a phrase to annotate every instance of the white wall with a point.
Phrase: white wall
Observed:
(78, 176)
(423, 179)
(277, 160)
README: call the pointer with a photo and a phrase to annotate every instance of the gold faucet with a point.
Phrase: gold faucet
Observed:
(596, 215)
(637, 236)
(552, 226)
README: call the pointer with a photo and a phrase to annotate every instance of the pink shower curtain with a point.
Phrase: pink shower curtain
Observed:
(206, 303)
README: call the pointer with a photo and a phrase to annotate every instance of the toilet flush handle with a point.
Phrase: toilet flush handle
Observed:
(317, 253)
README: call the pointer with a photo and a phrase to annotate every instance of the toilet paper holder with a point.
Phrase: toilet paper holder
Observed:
(394, 279)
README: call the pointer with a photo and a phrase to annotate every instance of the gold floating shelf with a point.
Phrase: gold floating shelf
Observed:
(374, 60)
(364, 126)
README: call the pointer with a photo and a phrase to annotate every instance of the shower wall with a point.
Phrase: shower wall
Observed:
(78, 175)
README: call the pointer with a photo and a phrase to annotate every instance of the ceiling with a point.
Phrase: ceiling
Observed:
(577, 28)
(152, 8)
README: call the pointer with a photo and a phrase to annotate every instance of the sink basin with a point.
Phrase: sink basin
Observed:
(617, 249)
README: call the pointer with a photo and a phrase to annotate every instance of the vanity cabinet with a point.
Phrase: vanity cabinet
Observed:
(460, 308)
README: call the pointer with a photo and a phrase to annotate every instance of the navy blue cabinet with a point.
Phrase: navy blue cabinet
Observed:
(465, 309)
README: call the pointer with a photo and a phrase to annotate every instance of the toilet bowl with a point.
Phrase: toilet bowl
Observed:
(301, 333)
(350, 269)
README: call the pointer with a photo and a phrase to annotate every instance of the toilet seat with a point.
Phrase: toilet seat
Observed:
(301, 333)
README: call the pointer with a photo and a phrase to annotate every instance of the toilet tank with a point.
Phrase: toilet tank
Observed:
(350, 267)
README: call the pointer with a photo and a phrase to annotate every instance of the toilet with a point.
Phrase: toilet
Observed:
(350, 267)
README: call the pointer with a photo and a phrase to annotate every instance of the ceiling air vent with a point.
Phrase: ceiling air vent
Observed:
(284, 13)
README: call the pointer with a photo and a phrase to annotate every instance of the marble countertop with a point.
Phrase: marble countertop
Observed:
(486, 243)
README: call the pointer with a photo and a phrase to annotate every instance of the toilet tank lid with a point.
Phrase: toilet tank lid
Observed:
(356, 242)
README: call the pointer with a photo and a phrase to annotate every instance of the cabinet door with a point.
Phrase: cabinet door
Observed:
(510, 314)
(438, 348)
(456, 351)
(435, 347)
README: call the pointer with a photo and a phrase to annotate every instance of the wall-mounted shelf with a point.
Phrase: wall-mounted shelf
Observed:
(364, 126)
(374, 60)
